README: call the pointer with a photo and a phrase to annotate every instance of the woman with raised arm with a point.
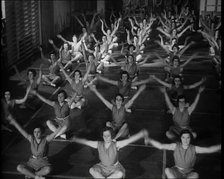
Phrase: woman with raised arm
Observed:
(181, 113)
(37, 166)
(53, 77)
(61, 110)
(109, 165)
(7, 106)
(64, 52)
(119, 109)
(77, 85)
(184, 155)
(124, 84)
(177, 87)
(76, 54)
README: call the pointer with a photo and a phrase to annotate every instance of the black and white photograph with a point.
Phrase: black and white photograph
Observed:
(111, 89)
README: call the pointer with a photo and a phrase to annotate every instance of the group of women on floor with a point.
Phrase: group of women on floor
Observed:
(97, 55)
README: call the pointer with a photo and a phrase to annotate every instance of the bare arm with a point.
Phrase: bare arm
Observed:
(107, 103)
(116, 28)
(20, 101)
(86, 74)
(167, 99)
(137, 83)
(113, 82)
(47, 101)
(161, 146)
(185, 48)
(211, 149)
(165, 33)
(54, 46)
(192, 107)
(19, 128)
(128, 37)
(182, 32)
(188, 60)
(195, 85)
(40, 74)
(143, 133)
(89, 143)
(102, 27)
(78, 20)
(179, 28)
(66, 75)
(51, 136)
(42, 55)
(131, 101)
(161, 82)
(63, 39)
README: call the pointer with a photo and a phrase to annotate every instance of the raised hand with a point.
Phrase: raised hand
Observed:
(163, 89)
(59, 36)
(50, 41)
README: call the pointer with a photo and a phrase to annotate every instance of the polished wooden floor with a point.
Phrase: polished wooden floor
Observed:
(149, 111)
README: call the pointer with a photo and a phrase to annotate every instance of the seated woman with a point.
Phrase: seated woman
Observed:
(7, 105)
(61, 109)
(181, 114)
(176, 87)
(184, 155)
(124, 84)
(53, 77)
(37, 166)
(119, 110)
(109, 165)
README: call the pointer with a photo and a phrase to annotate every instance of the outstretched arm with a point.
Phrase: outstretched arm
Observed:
(86, 74)
(192, 107)
(142, 134)
(63, 39)
(47, 101)
(19, 128)
(107, 103)
(188, 60)
(165, 33)
(66, 75)
(54, 46)
(137, 83)
(78, 20)
(20, 101)
(167, 99)
(89, 143)
(161, 82)
(40, 74)
(102, 27)
(51, 136)
(131, 101)
(182, 32)
(195, 85)
(161, 146)
(128, 37)
(113, 82)
(211, 149)
(42, 55)
(185, 48)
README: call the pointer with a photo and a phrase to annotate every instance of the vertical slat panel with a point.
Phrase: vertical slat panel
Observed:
(22, 28)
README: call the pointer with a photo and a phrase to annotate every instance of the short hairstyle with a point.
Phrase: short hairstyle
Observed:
(119, 94)
(176, 57)
(62, 91)
(32, 71)
(124, 73)
(177, 76)
(108, 129)
(175, 45)
(186, 131)
(131, 45)
(180, 97)
(80, 73)
(42, 129)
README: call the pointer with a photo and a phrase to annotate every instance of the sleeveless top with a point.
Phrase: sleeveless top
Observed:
(131, 69)
(184, 158)
(7, 109)
(124, 89)
(108, 156)
(61, 111)
(65, 56)
(54, 68)
(118, 115)
(78, 87)
(39, 150)
(181, 119)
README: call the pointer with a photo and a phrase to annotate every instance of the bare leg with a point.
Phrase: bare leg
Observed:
(43, 171)
(45, 78)
(116, 174)
(57, 78)
(62, 131)
(22, 169)
(95, 173)
(123, 132)
(51, 126)
(169, 173)
(193, 175)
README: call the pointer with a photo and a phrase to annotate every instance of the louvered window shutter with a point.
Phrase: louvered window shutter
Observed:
(22, 30)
